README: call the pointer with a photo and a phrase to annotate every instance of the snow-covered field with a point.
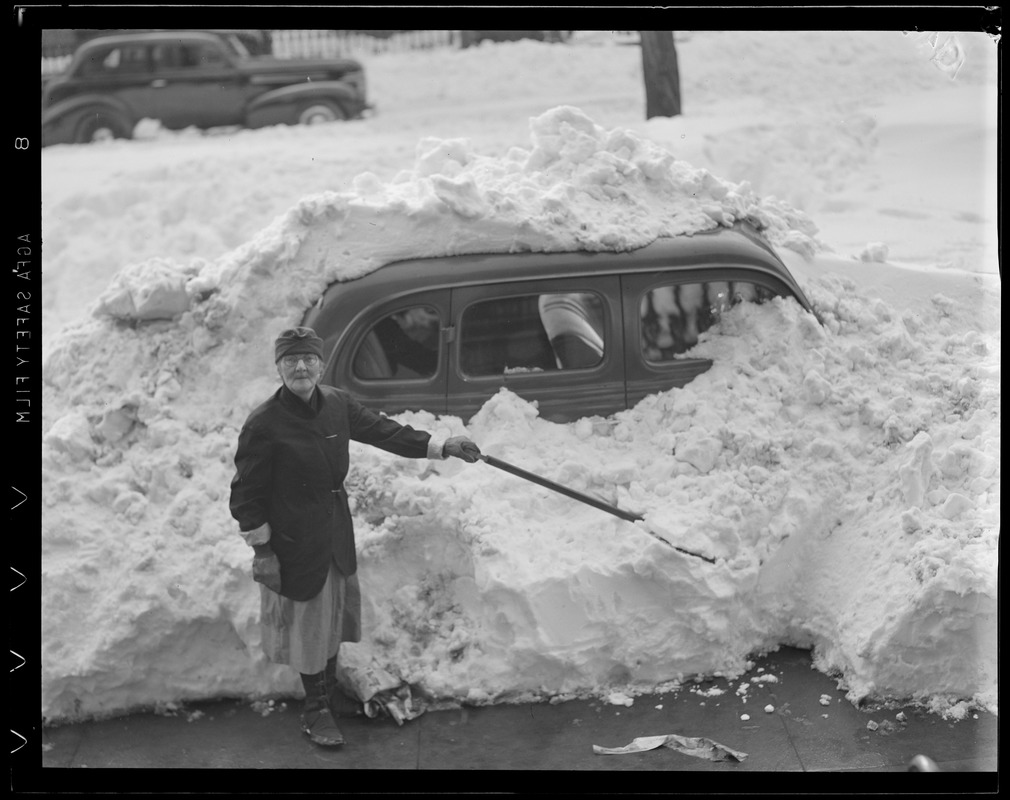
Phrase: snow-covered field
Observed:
(847, 476)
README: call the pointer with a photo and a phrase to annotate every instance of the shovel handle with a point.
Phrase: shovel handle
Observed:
(557, 487)
(583, 498)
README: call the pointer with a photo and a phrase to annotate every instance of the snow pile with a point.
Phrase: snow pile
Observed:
(143, 402)
(846, 477)
(579, 187)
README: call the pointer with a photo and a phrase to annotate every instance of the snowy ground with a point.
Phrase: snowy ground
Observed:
(847, 476)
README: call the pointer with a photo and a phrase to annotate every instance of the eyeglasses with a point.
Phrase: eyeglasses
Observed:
(292, 361)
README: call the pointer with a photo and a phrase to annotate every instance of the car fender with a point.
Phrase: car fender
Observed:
(331, 90)
(64, 107)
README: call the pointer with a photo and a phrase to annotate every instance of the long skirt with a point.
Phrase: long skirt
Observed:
(304, 635)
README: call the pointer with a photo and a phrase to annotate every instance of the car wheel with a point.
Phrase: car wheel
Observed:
(101, 126)
(319, 112)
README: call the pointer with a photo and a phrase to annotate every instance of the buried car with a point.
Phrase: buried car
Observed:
(579, 333)
(191, 79)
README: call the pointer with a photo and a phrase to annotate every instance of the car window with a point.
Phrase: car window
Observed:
(165, 56)
(401, 345)
(532, 333)
(173, 55)
(674, 315)
(94, 63)
(203, 55)
(122, 60)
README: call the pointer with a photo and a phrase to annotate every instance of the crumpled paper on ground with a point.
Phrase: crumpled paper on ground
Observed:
(379, 691)
(697, 746)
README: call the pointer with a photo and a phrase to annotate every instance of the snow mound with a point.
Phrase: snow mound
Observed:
(850, 497)
(579, 187)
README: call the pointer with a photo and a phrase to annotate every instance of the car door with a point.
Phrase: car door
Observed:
(665, 312)
(194, 84)
(555, 342)
(394, 357)
(122, 70)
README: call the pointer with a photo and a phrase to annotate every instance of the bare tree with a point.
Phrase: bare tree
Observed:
(662, 77)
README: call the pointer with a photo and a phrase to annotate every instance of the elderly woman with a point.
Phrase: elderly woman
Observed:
(288, 498)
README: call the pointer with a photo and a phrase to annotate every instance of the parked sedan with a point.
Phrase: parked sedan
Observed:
(191, 79)
(579, 333)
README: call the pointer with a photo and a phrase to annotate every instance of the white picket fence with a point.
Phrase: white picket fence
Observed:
(339, 44)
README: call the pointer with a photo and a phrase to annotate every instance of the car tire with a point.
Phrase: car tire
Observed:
(99, 125)
(319, 111)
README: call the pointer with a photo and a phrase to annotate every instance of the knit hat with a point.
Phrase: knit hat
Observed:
(299, 341)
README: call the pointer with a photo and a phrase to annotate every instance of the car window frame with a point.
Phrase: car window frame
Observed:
(201, 70)
(91, 67)
(645, 377)
(385, 394)
(359, 339)
(594, 383)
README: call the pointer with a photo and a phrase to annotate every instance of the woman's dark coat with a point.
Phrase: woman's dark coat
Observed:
(291, 462)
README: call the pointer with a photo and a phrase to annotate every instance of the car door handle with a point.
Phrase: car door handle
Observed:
(160, 83)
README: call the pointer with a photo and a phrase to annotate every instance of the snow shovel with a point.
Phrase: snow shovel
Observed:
(584, 498)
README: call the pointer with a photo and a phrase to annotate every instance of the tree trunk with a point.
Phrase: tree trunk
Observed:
(662, 77)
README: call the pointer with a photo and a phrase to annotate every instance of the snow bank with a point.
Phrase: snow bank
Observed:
(801, 460)
(578, 187)
(143, 402)
(846, 477)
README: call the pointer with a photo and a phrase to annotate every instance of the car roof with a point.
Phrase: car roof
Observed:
(151, 36)
(739, 246)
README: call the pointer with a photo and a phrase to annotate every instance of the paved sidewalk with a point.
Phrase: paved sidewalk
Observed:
(801, 735)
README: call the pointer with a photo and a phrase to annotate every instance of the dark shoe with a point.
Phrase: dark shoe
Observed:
(320, 727)
(317, 720)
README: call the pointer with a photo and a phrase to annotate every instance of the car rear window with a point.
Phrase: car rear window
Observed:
(532, 333)
(674, 315)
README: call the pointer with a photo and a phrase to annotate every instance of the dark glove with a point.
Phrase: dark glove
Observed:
(461, 447)
(267, 570)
